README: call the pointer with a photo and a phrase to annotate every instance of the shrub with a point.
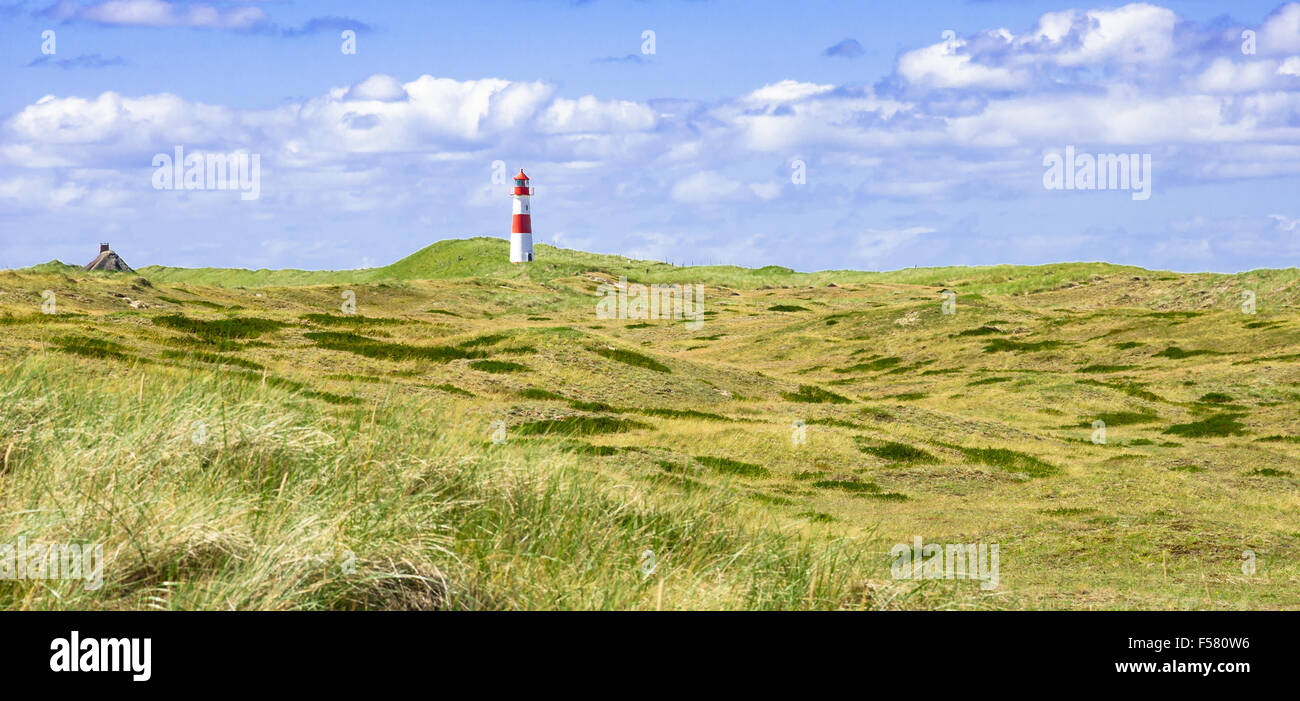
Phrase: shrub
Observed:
(382, 350)
(578, 425)
(498, 366)
(1217, 425)
(631, 358)
(235, 327)
(812, 394)
(898, 452)
(732, 467)
(1009, 460)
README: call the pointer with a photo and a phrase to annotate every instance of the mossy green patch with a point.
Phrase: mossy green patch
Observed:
(1224, 424)
(382, 350)
(1003, 345)
(896, 452)
(1176, 353)
(221, 329)
(812, 394)
(348, 320)
(1010, 460)
(578, 425)
(732, 467)
(631, 358)
(499, 367)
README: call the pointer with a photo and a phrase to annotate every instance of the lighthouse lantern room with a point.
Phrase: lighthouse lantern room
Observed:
(521, 230)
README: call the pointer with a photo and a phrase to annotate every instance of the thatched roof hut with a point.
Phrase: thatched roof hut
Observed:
(108, 260)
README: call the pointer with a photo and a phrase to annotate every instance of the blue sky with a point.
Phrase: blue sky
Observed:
(921, 130)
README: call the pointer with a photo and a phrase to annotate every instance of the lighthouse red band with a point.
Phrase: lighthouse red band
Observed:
(521, 228)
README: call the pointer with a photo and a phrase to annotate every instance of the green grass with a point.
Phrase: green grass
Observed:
(91, 347)
(1128, 388)
(1270, 472)
(727, 466)
(898, 452)
(1010, 460)
(848, 485)
(811, 394)
(1120, 418)
(499, 367)
(578, 425)
(877, 364)
(1068, 511)
(480, 341)
(543, 394)
(1002, 345)
(631, 358)
(988, 381)
(219, 329)
(213, 358)
(348, 320)
(1176, 353)
(862, 489)
(981, 331)
(379, 432)
(1224, 424)
(683, 414)
(371, 348)
(286, 505)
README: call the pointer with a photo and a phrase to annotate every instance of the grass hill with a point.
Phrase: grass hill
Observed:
(476, 436)
(483, 257)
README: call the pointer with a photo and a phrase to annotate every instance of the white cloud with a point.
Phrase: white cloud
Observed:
(588, 114)
(380, 87)
(942, 66)
(706, 187)
(784, 91)
(1285, 223)
(159, 13)
(1134, 33)
(1280, 32)
(1226, 75)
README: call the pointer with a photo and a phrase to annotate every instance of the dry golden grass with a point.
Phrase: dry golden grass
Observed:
(975, 427)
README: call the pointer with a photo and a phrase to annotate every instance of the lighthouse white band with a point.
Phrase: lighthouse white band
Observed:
(521, 248)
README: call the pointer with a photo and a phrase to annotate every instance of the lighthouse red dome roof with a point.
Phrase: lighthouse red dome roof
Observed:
(521, 175)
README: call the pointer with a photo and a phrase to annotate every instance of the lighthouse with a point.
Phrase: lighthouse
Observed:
(521, 229)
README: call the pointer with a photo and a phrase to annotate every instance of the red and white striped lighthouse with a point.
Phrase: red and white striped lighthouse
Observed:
(521, 229)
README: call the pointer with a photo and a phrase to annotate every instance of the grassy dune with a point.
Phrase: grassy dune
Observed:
(236, 441)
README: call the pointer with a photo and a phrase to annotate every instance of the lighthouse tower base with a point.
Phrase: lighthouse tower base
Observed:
(521, 248)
